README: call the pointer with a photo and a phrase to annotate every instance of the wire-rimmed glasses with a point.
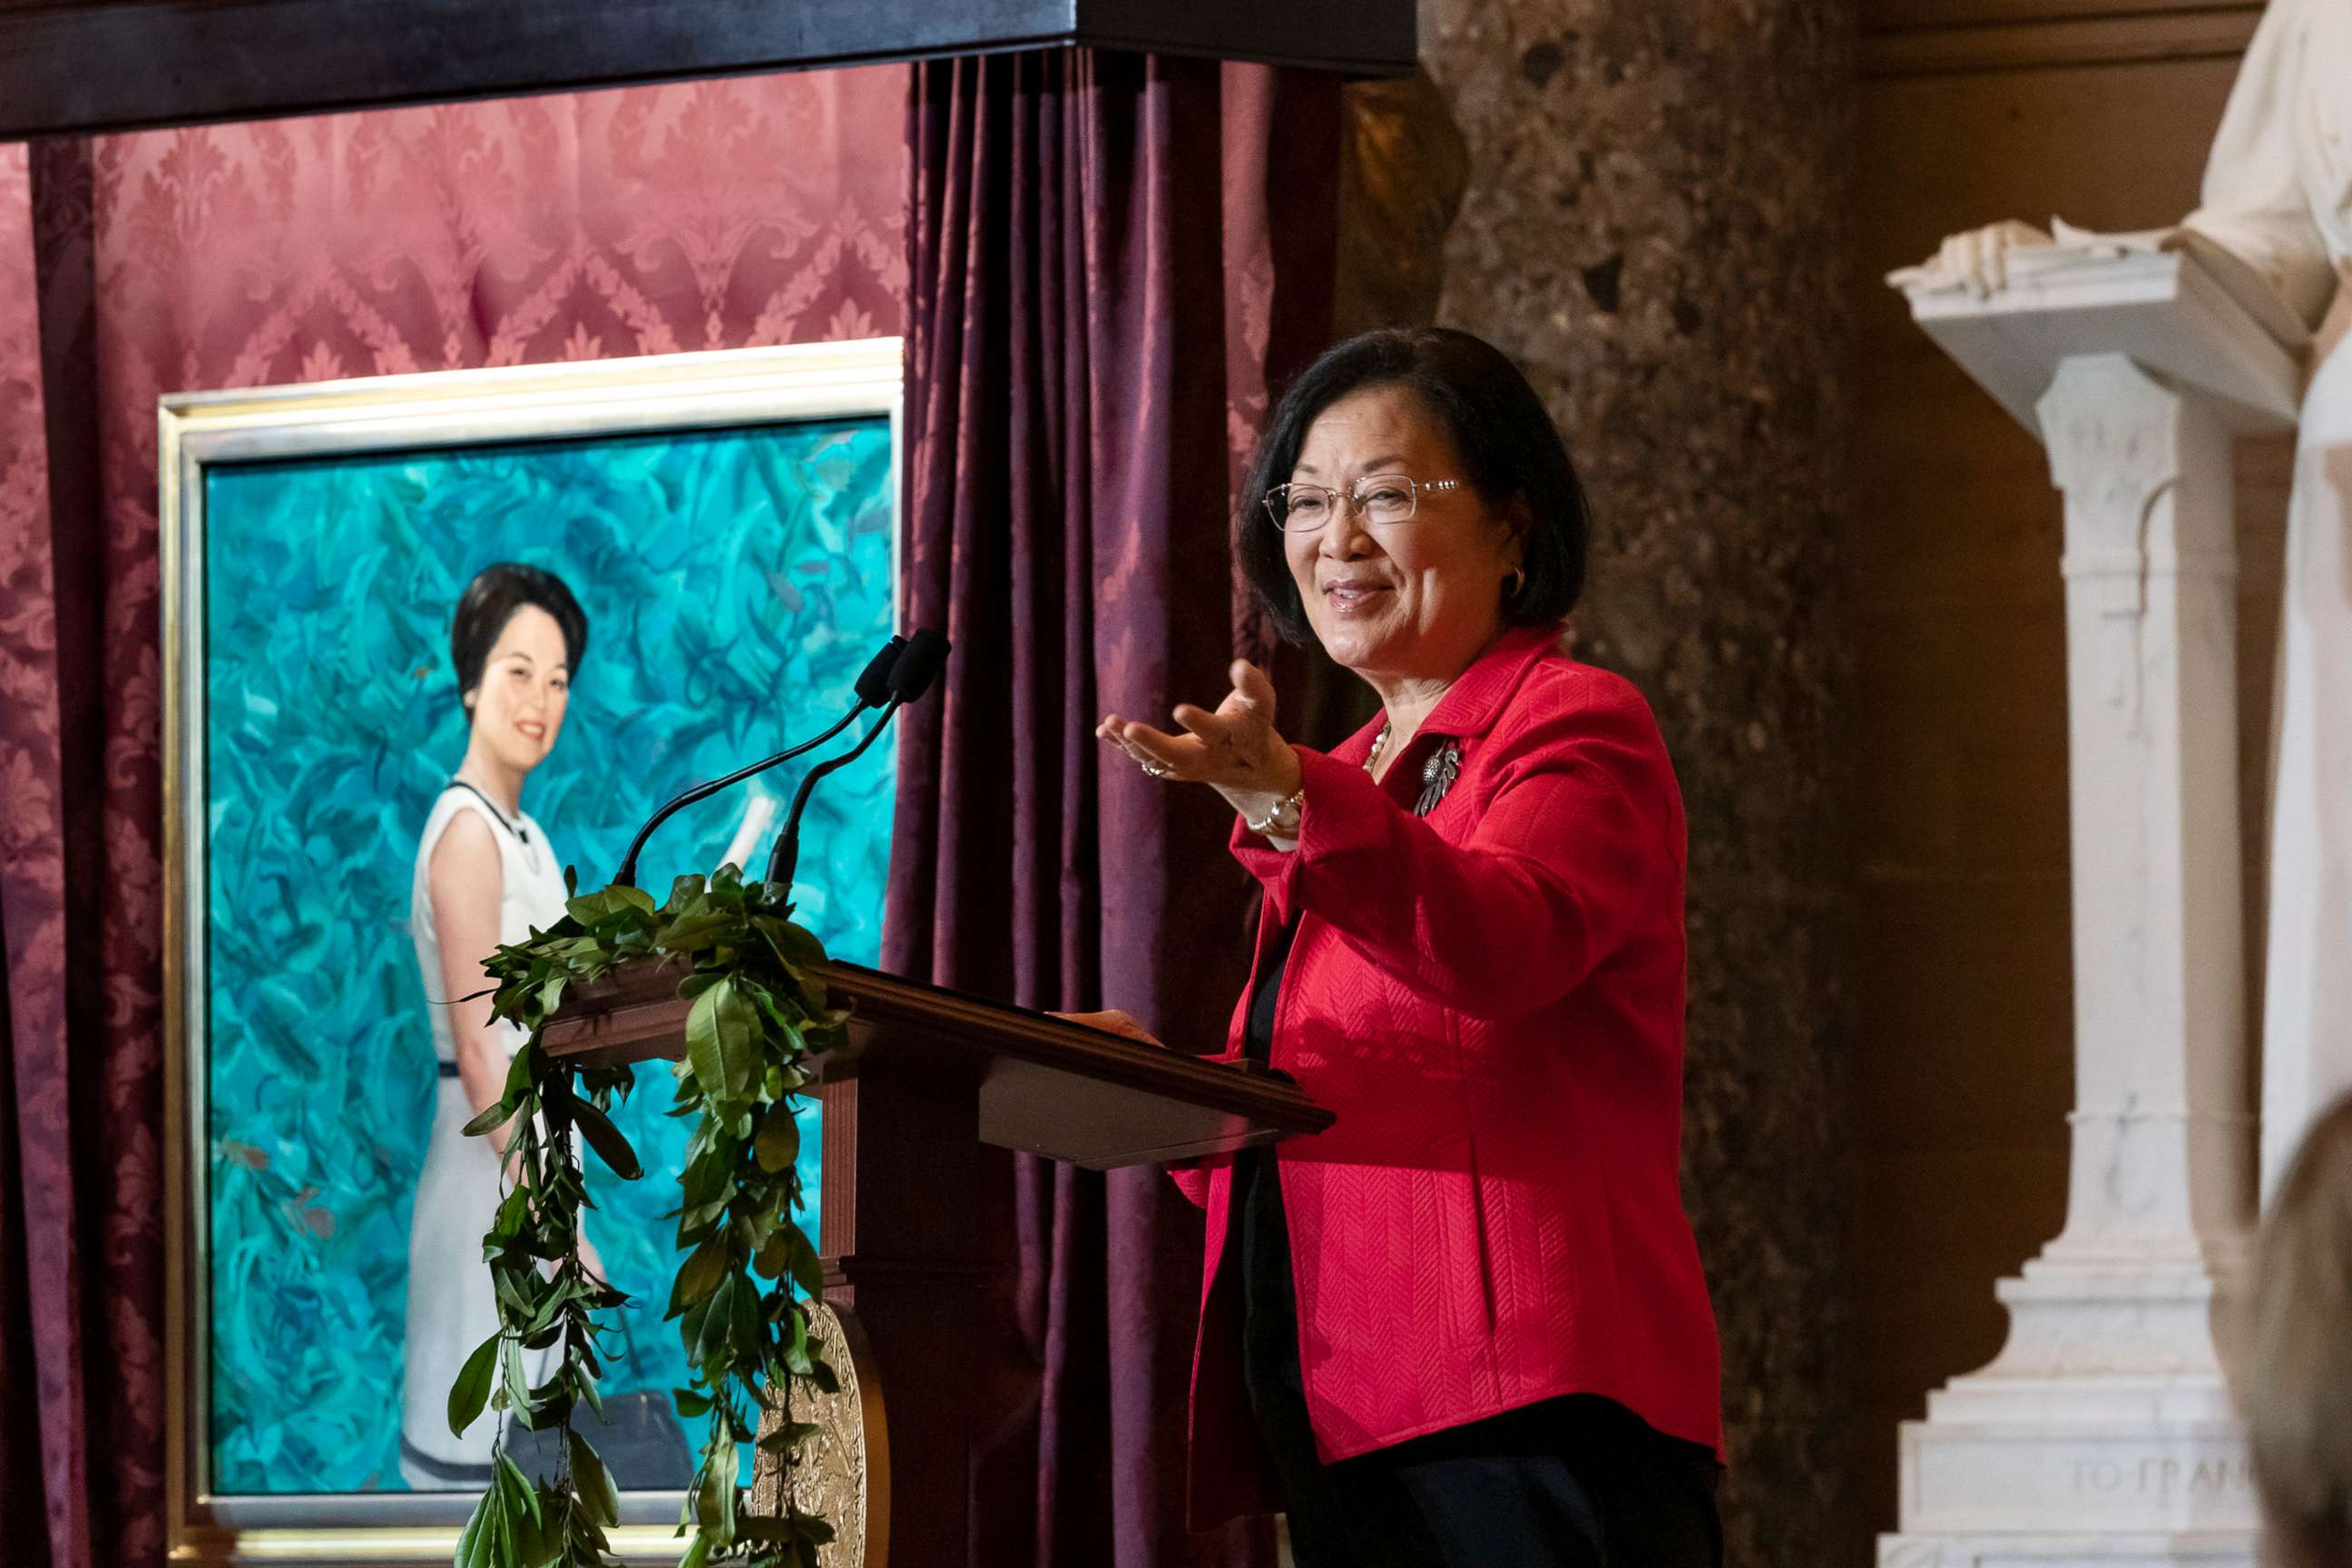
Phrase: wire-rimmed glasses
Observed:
(1383, 499)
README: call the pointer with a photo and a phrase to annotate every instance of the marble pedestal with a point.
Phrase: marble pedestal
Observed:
(2102, 1433)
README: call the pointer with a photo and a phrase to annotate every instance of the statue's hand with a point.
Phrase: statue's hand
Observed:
(1975, 259)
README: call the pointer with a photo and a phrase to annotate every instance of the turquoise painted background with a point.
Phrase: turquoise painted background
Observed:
(735, 583)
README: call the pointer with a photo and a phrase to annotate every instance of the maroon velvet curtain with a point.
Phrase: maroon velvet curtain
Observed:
(1112, 258)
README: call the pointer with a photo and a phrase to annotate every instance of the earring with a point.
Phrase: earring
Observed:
(1519, 580)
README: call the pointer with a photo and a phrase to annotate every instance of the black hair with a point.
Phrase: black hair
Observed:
(1511, 453)
(490, 600)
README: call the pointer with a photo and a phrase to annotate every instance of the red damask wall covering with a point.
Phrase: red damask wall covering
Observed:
(712, 215)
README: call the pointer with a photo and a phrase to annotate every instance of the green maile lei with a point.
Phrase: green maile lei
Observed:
(747, 1271)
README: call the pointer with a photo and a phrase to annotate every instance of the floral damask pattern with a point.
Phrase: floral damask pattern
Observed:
(41, 1414)
(642, 221)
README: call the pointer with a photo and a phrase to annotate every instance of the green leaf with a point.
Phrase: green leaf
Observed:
(697, 1276)
(472, 1388)
(513, 1216)
(522, 1502)
(713, 1497)
(519, 1073)
(611, 1146)
(738, 1028)
(796, 1345)
(593, 1482)
(697, 1551)
(751, 1343)
(782, 1437)
(492, 1116)
(717, 1326)
(517, 1387)
(801, 1260)
(527, 1522)
(690, 1403)
(704, 1053)
(794, 943)
(593, 909)
(476, 1542)
(779, 1142)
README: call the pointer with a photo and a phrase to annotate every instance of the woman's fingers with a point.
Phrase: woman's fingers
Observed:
(1254, 687)
(1112, 1021)
(1200, 721)
(1148, 746)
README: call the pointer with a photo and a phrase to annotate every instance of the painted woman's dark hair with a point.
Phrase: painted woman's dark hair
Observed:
(490, 600)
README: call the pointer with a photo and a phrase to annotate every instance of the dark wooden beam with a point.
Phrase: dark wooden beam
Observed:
(87, 66)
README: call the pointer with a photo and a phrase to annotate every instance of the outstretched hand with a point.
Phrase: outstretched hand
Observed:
(1235, 748)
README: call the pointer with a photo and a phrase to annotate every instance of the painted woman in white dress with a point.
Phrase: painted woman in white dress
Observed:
(485, 874)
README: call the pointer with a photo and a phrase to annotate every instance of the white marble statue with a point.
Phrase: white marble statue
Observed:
(2275, 226)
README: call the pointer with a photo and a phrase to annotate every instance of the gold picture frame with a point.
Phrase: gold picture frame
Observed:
(684, 392)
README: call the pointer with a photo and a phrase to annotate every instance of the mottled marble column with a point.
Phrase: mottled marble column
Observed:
(1656, 227)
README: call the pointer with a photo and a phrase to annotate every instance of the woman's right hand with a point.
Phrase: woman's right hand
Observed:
(1113, 1022)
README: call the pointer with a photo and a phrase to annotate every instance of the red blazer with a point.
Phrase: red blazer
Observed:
(1491, 998)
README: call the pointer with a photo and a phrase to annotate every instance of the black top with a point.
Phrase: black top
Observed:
(1257, 1248)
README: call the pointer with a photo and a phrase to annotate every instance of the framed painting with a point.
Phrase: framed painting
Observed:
(429, 640)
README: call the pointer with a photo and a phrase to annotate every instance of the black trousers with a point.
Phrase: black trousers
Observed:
(1579, 1482)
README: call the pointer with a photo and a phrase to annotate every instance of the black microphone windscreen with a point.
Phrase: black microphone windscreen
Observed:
(919, 665)
(874, 680)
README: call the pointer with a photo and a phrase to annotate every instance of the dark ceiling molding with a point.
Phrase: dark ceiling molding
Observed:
(121, 65)
(2212, 32)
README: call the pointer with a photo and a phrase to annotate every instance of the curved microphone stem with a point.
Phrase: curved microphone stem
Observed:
(785, 860)
(627, 876)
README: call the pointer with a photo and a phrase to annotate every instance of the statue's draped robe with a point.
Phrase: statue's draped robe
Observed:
(2278, 193)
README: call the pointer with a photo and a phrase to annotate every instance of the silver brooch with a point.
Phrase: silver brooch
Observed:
(1437, 776)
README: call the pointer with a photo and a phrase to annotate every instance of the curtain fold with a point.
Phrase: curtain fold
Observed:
(1112, 257)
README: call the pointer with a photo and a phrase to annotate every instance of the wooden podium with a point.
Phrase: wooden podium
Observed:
(930, 1076)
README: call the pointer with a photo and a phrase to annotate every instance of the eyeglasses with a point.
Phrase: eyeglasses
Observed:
(1383, 499)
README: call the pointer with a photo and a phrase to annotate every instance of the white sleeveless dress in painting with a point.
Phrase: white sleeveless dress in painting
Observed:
(451, 1309)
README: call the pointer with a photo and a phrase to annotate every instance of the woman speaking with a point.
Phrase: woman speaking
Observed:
(1467, 1325)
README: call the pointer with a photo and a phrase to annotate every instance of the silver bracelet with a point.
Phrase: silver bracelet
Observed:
(1282, 820)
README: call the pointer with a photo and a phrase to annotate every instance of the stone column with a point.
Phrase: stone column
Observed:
(1655, 228)
(2102, 1433)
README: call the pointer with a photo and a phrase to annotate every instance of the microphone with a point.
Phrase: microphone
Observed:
(874, 688)
(918, 665)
